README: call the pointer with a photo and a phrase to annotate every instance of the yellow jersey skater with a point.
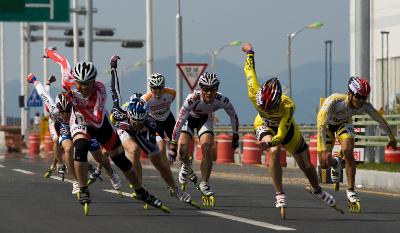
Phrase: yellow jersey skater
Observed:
(274, 125)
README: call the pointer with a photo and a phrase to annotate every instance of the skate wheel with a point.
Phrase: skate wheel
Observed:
(193, 203)
(86, 209)
(165, 209)
(89, 182)
(78, 195)
(355, 207)
(130, 186)
(119, 192)
(134, 195)
(283, 213)
(47, 175)
(183, 187)
(208, 200)
(336, 186)
(146, 206)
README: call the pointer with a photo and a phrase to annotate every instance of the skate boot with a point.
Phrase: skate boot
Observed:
(184, 197)
(207, 194)
(353, 201)
(47, 174)
(185, 173)
(75, 187)
(84, 199)
(280, 203)
(62, 169)
(336, 173)
(327, 198)
(152, 200)
(94, 175)
(116, 182)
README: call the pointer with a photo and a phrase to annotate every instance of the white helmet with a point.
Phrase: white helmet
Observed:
(156, 80)
(208, 79)
(84, 72)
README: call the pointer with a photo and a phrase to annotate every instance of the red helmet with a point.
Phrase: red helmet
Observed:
(359, 87)
(269, 95)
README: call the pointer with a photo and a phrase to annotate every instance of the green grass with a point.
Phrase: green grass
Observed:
(387, 167)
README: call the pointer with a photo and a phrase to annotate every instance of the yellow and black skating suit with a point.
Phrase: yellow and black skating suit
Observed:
(278, 123)
(335, 116)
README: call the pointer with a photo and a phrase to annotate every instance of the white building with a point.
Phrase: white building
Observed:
(385, 31)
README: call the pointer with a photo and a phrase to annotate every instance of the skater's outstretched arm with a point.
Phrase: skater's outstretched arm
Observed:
(118, 113)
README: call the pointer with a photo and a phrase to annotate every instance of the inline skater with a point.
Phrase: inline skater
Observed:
(159, 100)
(60, 113)
(89, 119)
(55, 165)
(137, 129)
(196, 113)
(274, 126)
(335, 119)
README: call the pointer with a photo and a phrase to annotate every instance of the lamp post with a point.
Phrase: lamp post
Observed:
(328, 66)
(385, 106)
(315, 25)
(215, 52)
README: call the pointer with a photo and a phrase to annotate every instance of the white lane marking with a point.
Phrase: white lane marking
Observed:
(1, 165)
(116, 192)
(248, 221)
(226, 216)
(59, 178)
(24, 171)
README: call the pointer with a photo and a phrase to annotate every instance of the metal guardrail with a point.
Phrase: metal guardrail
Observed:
(359, 121)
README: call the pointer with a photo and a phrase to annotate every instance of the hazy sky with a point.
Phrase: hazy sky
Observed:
(207, 25)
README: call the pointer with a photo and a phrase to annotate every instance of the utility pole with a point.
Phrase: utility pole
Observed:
(149, 40)
(89, 31)
(178, 57)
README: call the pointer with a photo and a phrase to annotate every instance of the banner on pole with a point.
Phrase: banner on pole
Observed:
(192, 72)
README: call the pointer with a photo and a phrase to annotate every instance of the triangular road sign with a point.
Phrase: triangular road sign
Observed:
(34, 99)
(191, 72)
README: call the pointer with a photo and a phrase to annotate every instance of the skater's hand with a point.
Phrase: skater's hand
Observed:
(31, 78)
(235, 141)
(265, 145)
(247, 47)
(114, 61)
(172, 153)
(392, 144)
(51, 79)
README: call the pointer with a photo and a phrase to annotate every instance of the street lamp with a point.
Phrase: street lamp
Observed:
(315, 25)
(215, 52)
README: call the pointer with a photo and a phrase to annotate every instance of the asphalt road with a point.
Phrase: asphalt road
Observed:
(31, 203)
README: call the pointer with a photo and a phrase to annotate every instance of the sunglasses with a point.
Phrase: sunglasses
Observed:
(360, 97)
(209, 89)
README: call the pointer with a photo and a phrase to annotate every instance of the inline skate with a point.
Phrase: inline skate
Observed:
(207, 195)
(353, 201)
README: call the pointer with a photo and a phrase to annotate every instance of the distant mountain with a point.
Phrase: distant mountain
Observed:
(307, 80)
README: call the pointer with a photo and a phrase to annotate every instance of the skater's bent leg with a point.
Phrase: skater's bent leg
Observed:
(275, 169)
(81, 146)
(183, 147)
(118, 157)
(348, 148)
(206, 140)
(163, 167)
(68, 157)
(161, 146)
(57, 153)
(134, 150)
(102, 160)
(303, 160)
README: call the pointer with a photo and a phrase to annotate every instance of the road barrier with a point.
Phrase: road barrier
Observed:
(251, 150)
(225, 153)
(48, 144)
(313, 150)
(392, 156)
(33, 145)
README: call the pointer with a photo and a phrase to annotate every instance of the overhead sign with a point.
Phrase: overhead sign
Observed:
(35, 10)
(34, 99)
(191, 72)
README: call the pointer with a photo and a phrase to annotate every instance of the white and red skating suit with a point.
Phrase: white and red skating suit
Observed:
(195, 113)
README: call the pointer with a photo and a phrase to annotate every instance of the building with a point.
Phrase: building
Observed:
(385, 34)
